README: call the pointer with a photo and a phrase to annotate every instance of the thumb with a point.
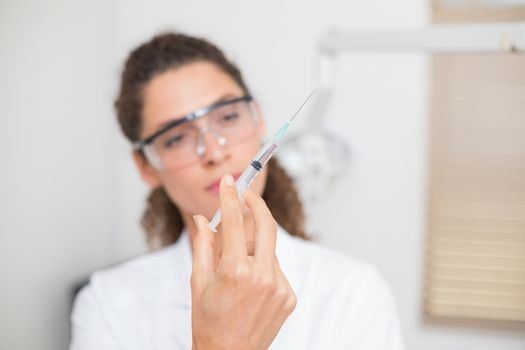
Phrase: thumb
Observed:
(202, 247)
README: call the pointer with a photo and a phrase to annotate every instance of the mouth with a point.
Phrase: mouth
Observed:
(214, 187)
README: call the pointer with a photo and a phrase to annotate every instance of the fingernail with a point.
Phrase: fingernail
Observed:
(228, 180)
(197, 220)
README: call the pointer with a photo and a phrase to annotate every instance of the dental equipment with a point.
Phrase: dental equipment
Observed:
(259, 161)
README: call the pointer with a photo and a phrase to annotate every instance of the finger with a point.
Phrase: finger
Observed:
(232, 224)
(250, 248)
(202, 248)
(280, 274)
(291, 300)
(265, 228)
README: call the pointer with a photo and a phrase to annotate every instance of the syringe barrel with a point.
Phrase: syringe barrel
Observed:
(266, 152)
(244, 181)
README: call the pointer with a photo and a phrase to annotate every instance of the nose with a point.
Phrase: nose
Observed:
(212, 148)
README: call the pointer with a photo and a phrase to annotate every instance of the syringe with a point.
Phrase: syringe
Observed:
(259, 161)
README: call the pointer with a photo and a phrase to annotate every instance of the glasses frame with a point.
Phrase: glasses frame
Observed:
(199, 113)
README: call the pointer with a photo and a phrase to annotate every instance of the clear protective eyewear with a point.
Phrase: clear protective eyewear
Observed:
(180, 143)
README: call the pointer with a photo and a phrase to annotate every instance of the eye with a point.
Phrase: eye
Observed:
(174, 140)
(228, 118)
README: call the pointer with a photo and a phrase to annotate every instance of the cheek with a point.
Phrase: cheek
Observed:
(183, 188)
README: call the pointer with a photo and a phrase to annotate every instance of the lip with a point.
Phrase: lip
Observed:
(215, 185)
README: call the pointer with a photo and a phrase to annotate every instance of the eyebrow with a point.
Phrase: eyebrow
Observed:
(170, 121)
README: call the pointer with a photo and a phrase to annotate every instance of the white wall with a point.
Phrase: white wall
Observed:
(56, 163)
(75, 206)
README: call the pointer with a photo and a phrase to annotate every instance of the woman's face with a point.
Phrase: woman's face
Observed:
(178, 92)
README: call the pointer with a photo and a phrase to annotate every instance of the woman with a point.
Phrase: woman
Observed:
(257, 282)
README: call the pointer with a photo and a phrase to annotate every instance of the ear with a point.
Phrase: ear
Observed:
(148, 173)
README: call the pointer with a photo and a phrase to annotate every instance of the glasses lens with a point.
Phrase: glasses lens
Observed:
(236, 121)
(177, 147)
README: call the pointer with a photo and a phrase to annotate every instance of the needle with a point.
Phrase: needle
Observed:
(297, 112)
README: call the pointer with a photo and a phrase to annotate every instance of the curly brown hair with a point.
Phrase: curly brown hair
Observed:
(162, 219)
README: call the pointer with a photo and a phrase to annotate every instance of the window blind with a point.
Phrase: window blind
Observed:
(476, 210)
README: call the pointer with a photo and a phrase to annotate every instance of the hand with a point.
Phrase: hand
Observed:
(241, 301)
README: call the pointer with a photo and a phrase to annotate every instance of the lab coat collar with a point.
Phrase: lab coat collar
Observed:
(172, 319)
(178, 284)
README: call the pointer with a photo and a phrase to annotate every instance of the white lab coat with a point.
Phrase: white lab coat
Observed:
(146, 303)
